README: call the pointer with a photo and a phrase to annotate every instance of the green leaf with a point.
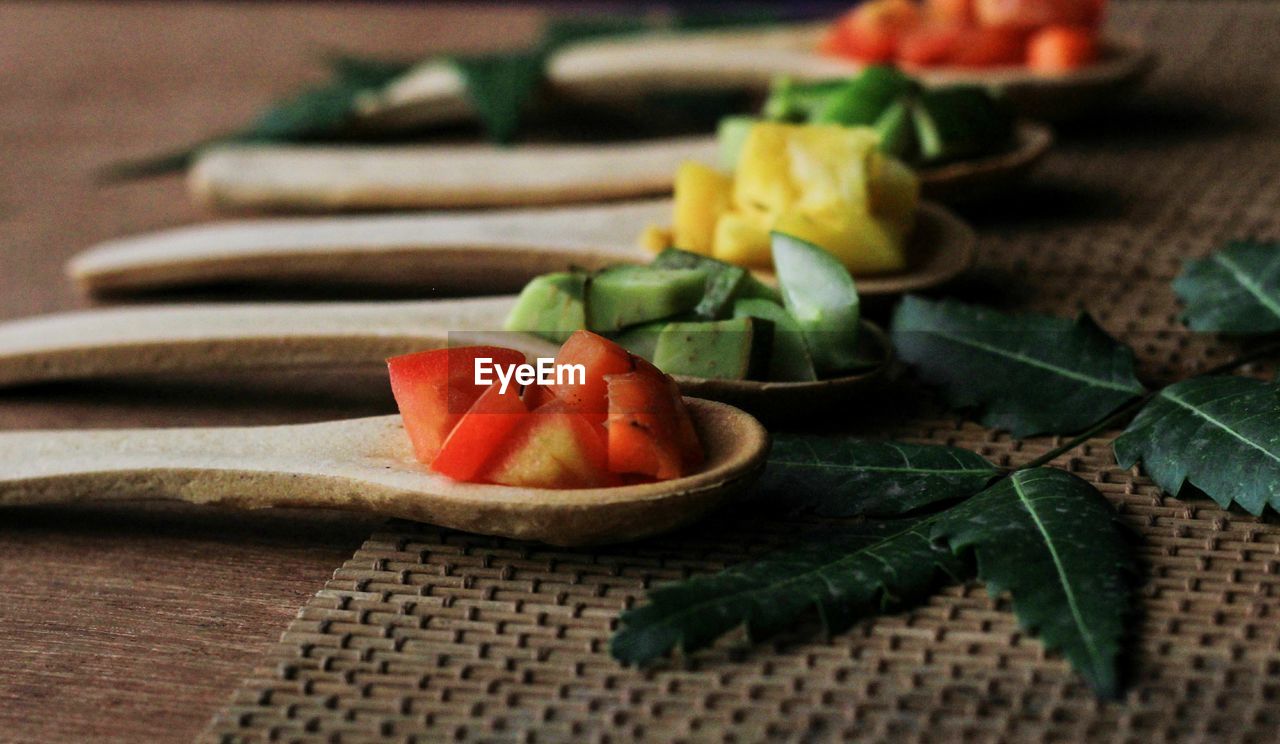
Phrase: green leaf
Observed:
(1220, 434)
(1055, 544)
(1030, 374)
(842, 477)
(1236, 290)
(861, 571)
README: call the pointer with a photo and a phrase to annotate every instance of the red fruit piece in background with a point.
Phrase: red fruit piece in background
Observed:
(990, 46)
(949, 12)
(433, 389)
(930, 45)
(1061, 49)
(1031, 14)
(871, 30)
(480, 433)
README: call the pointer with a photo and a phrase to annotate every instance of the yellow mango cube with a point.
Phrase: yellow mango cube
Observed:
(655, 239)
(702, 194)
(762, 183)
(865, 244)
(741, 241)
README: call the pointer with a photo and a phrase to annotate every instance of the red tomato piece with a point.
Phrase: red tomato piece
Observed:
(949, 12)
(1061, 49)
(484, 428)
(537, 395)
(1031, 14)
(931, 45)
(599, 357)
(686, 435)
(991, 46)
(641, 428)
(871, 30)
(433, 389)
(553, 447)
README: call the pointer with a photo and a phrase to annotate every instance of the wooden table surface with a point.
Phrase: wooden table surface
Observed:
(135, 622)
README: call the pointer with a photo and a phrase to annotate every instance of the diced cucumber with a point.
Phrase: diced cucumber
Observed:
(735, 349)
(862, 100)
(641, 340)
(960, 121)
(629, 295)
(819, 293)
(789, 359)
(725, 282)
(897, 131)
(731, 135)
(551, 306)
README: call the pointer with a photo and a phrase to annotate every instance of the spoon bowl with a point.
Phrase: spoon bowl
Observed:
(367, 465)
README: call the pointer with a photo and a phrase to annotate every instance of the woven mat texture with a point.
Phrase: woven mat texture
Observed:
(430, 635)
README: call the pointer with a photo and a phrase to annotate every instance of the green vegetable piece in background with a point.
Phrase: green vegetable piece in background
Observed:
(960, 121)
(641, 340)
(796, 102)
(789, 359)
(736, 349)
(628, 295)
(819, 293)
(725, 282)
(551, 306)
(862, 100)
(730, 137)
(897, 132)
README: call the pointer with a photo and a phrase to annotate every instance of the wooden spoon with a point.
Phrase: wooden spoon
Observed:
(323, 179)
(367, 465)
(625, 69)
(469, 253)
(157, 340)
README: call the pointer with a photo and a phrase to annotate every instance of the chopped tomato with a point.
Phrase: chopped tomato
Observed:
(686, 435)
(990, 46)
(1033, 13)
(871, 30)
(930, 45)
(641, 427)
(479, 433)
(433, 389)
(599, 357)
(537, 395)
(553, 447)
(949, 12)
(1061, 49)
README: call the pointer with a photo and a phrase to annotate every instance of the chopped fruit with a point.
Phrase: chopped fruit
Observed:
(1061, 49)
(599, 357)
(553, 447)
(655, 239)
(627, 295)
(820, 295)
(551, 306)
(434, 389)
(990, 46)
(1032, 13)
(702, 194)
(741, 241)
(735, 349)
(642, 432)
(872, 29)
(931, 45)
(789, 359)
(477, 434)
(537, 395)
(954, 12)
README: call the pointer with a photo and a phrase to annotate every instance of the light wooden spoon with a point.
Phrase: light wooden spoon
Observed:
(306, 178)
(196, 338)
(457, 253)
(625, 69)
(367, 465)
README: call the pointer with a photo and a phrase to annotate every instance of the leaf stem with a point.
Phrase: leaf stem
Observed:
(1128, 409)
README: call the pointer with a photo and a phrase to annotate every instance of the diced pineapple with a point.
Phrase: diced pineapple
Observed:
(762, 182)
(702, 194)
(655, 239)
(829, 167)
(741, 241)
(864, 243)
(894, 192)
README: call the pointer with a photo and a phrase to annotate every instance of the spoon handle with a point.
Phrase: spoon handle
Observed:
(470, 253)
(204, 337)
(321, 179)
(253, 466)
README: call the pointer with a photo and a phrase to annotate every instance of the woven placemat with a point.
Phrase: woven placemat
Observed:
(431, 635)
